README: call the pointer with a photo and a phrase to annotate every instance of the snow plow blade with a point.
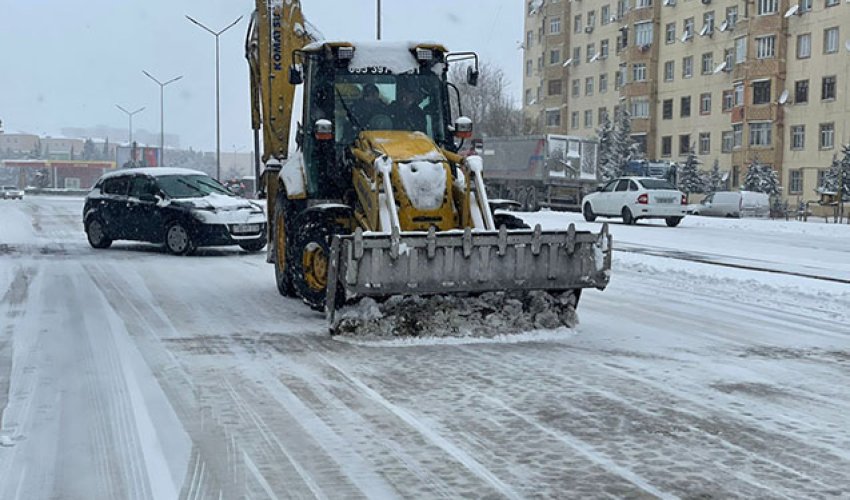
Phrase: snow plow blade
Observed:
(449, 262)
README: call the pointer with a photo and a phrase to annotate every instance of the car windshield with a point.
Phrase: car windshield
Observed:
(656, 184)
(9, 188)
(190, 186)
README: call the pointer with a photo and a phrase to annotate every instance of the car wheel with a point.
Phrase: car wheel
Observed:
(673, 221)
(509, 221)
(254, 245)
(628, 218)
(311, 259)
(589, 216)
(177, 239)
(97, 235)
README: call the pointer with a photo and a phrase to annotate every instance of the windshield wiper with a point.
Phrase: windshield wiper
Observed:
(348, 111)
(216, 188)
(196, 188)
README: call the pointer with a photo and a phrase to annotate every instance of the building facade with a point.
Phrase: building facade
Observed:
(737, 81)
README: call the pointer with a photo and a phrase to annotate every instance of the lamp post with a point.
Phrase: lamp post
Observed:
(216, 34)
(130, 116)
(379, 19)
(161, 113)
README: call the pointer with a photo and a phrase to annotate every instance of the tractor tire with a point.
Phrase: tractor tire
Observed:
(285, 211)
(310, 249)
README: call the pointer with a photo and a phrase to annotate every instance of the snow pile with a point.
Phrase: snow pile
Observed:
(395, 56)
(292, 175)
(424, 183)
(459, 316)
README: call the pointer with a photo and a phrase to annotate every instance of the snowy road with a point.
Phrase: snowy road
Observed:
(129, 373)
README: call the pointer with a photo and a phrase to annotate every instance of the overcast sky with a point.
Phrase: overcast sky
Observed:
(66, 63)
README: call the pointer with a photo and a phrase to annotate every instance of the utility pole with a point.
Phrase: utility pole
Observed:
(216, 34)
(130, 115)
(161, 113)
(379, 19)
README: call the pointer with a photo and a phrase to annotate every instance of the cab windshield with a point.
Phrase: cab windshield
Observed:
(190, 186)
(408, 101)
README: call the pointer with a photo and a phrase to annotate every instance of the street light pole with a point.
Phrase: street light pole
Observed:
(161, 113)
(216, 34)
(379, 19)
(130, 115)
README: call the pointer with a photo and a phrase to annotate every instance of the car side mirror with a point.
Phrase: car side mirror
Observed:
(148, 198)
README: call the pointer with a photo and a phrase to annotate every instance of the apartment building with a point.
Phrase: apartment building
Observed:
(736, 81)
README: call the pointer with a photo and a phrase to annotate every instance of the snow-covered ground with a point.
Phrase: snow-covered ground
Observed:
(714, 366)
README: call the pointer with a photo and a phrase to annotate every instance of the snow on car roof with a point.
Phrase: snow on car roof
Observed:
(154, 171)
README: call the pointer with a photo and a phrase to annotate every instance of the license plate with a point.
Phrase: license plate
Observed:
(246, 228)
(664, 200)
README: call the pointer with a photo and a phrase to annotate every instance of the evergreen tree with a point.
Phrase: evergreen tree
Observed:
(762, 179)
(88, 150)
(607, 162)
(36, 150)
(623, 143)
(715, 181)
(104, 155)
(72, 153)
(691, 180)
(832, 181)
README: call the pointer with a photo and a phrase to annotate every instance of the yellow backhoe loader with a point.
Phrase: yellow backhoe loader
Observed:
(376, 201)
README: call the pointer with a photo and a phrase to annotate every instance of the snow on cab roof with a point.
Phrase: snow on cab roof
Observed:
(155, 171)
(395, 56)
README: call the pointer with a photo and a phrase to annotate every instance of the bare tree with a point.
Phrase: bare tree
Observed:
(488, 104)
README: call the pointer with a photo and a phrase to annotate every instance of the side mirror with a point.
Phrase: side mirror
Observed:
(148, 198)
(463, 128)
(323, 130)
(296, 76)
(599, 188)
(472, 77)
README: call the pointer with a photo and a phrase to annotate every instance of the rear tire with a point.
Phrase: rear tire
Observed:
(673, 221)
(311, 254)
(284, 213)
(589, 216)
(96, 234)
(178, 241)
(628, 218)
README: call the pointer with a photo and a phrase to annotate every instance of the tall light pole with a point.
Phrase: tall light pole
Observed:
(130, 116)
(161, 113)
(379, 19)
(216, 34)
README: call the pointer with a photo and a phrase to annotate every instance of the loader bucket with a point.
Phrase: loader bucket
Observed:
(466, 261)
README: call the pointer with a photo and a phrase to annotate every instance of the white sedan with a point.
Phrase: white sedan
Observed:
(634, 198)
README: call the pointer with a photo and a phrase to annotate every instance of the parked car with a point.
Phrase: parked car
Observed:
(635, 198)
(11, 193)
(734, 204)
(184, 209)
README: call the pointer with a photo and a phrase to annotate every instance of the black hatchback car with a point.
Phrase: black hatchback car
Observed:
(182, 208)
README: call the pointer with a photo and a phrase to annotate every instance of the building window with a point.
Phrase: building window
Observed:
(828, 88)
(687, 67)
(576, 56)
(737, 135)
(588, 85)
(739, 94)
(728, 100)
(529, 39)
(740, 49)
(726, 141)
(795, 181)
(553, 118)
(827, 135)
(707, 63)
(643, 34)
(705, 103)
(831, 3)
(801, 91)
(760, 134)
(528, 67)
(670, 33)
(590, 52)
(588, 118)
(555, 87)
(684, 144)
(603, 49)
(765, 47)
(688, 28)
(767, 7)
(736, 175)
(591, 18)
(667, 109)
(821, 177)
(804, 46)
(528, 96)
(707, 23)
(576, 88)
(729, 59)
(668, 71)
(685, 106)
(640, 108)
(554, 56)
(761, 92)
(618, 80)
(732, 16)
(577, 24)
(667, 146)
(639, 72)
(798, 137)
(601, 115)
(555, 26)
(830, 40)
(704, 143)
(603, 83)
(605, 14)
(805, 5)
(540, 63)
(642, 4)
(574, 119)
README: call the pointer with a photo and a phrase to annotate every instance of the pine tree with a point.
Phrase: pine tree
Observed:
(104, 155)
(715, 181)
(622, 139)
(691, 180)
(36, 150)
(832, 181)
(762, 179)
(88, 150)
(607, 162)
